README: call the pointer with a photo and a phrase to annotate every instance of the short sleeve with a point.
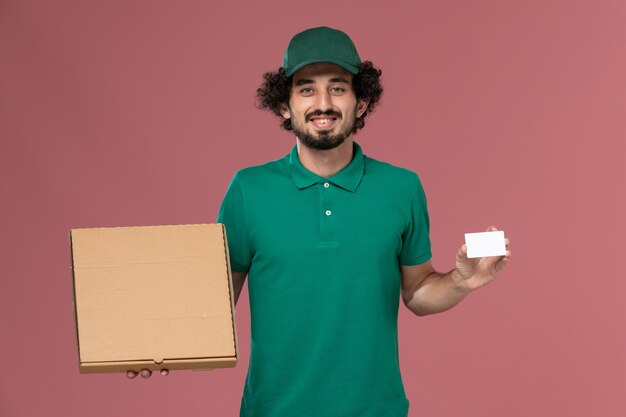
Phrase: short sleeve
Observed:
(232, 215)
(416, 238)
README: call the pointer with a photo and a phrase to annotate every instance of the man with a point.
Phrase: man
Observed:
(330, 239)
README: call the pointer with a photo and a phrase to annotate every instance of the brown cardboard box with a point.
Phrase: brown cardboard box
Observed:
(155, 297)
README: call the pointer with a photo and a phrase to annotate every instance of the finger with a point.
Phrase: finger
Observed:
(507, 241)
(501, 264)
(506, 256)
(131, 374)
(462, 253)
(145, 373)
(164, 372)
(492, 229)
(503, 261)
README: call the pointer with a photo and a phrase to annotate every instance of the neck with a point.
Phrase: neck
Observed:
(326, 163)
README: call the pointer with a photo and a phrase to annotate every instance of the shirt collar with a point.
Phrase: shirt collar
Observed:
(348, 178)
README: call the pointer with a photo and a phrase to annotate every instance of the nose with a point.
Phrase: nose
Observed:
(324, 101)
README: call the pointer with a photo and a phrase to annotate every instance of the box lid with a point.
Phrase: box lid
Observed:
(152, 293)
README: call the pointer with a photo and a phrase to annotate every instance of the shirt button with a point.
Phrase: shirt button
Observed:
(328, 212)
(326, 185)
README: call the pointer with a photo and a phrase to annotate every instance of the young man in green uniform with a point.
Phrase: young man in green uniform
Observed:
(329, 239)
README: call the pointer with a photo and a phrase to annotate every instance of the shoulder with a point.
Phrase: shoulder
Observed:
(383, 171)
(262, 173)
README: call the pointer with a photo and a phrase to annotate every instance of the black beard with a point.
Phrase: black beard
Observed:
(324, 141)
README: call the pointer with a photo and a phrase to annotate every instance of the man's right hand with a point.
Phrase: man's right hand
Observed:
(145, 373)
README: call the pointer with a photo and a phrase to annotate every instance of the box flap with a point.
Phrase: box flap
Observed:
(152, 293)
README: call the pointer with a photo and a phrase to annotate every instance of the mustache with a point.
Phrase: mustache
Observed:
(322, 113)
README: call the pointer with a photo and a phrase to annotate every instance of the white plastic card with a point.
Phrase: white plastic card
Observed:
(484, 244)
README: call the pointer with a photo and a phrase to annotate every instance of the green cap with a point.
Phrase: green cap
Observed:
(321, 44)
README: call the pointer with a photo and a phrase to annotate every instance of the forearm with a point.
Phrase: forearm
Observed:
(436, 293)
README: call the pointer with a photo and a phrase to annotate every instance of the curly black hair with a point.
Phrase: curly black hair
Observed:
(276, 90)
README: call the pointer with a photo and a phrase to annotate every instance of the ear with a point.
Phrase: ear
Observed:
(361, 107)
(284, 110)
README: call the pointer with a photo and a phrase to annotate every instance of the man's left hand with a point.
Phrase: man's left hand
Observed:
(473, 273)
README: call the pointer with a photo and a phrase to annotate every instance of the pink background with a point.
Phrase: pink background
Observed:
(119, 113)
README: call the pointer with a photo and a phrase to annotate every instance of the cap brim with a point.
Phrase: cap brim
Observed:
(348, 67)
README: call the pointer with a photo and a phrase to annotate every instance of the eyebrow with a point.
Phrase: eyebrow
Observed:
(332, 80)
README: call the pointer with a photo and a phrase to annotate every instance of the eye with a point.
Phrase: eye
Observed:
(306, 91)
(337, 90)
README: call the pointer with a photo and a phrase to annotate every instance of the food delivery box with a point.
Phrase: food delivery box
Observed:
(154, 297)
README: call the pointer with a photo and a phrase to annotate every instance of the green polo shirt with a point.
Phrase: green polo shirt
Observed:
(323, 258)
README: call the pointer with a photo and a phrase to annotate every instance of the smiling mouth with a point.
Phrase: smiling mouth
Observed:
(323, 122)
